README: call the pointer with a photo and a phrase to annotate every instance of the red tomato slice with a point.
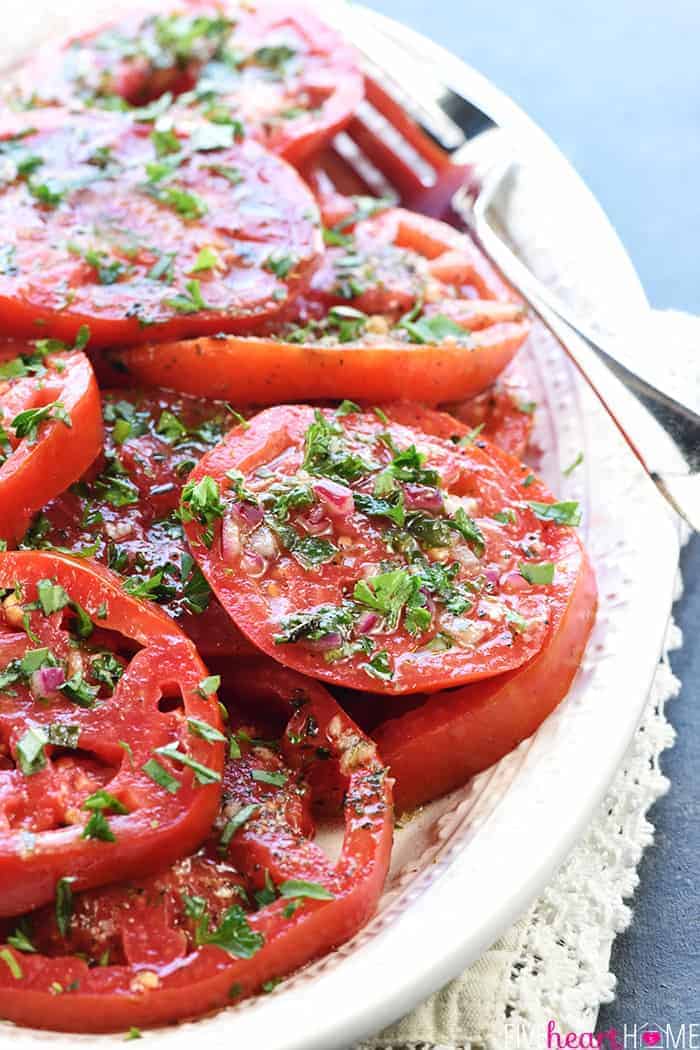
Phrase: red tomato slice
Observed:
(365, 551)
(141, 234)
(400, 307)
(86, 791)
(124, 511)
(258, 901)
(504, 414)
(50, 428)
(286, 76)
(449, 737)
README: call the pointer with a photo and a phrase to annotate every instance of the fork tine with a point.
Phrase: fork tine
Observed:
(388, 60)
(422, 174)
(385, 157)
(394, 112)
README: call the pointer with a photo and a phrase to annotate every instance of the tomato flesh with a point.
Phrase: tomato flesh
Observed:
(123, 512)
(284, 75)
(449, 737)
(252, 905)
(108, 227)
(50, 428)
(362, 549)
(78, 719)
(400, 307)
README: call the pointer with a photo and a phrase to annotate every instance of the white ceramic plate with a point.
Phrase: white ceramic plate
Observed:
(468, 865)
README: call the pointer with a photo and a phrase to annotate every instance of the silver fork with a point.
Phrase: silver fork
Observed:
(405, 75)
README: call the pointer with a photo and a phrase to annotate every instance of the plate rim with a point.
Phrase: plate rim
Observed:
(288, 1020)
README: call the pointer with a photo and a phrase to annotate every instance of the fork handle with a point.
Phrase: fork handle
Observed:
(679, 420)
(628, 398)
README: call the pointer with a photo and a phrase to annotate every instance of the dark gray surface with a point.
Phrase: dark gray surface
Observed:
(616, 83)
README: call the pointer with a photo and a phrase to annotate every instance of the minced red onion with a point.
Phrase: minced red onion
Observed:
(422, 497)
(230, 540)
(251, 514)
(337, 498)
(263, 542)
(328, 642)
(47, 680)
(366, 623)
(253, 564)
(315, 522)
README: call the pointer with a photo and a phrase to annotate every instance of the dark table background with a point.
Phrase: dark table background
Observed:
(616, 83)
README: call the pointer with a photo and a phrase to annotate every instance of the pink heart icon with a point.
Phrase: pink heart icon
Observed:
(651, 1038)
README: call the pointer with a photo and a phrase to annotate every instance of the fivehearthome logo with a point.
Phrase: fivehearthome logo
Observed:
(645, 1035)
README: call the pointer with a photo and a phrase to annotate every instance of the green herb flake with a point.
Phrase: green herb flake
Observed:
(205, 731)
(264, 776)
(294, 888)
(567, 512)
(189, 302)
(244, 814)
(31, 755)
(98, 828)
(207, 259)
(27, 423)
(572, 466)
(161, 776)
(202, 774)
(379, 666)
(346, 408)
(208, 686)
(12, 964)
(64, 904)
(201, 501)
(433, 330)
(541, 573)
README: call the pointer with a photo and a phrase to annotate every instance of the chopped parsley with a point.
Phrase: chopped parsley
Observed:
(178, 199)
(434, 329)
(234, 934)
(161, 776)
(27, 423)
(294, 888)
(379, 666)
(264, 776)
(564, 513)
(202, 774)
(190, 301)
(537, 573)
(315, 624)
(244, 814)
(31, 756)
(326, 453)
(201, 501)
(64, 904)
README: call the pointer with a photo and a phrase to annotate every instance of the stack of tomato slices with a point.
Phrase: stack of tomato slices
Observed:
(269, 551)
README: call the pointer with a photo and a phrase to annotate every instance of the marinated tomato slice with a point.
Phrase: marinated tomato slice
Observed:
(362, 549)
(124, 511)
(258, 900)
(400, 307)
(50, 427)
(448, 737)
(142, 233)
(504, 414)
(109, 732)
(287, 79)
